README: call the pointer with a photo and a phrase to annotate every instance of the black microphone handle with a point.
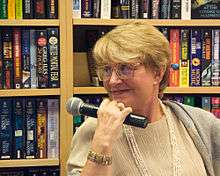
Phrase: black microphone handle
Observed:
(131, 119)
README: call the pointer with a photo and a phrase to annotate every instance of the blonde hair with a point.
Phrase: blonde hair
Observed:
(138, 41)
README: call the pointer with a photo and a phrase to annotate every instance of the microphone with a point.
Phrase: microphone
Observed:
(76, 106)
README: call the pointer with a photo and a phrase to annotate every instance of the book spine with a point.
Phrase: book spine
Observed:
(86, 9)
(115, 10)
(40, 12)
(3, 9)
(53, 52)
(195, 58)
(144, 9)
(185, 9)
(17, 58)
(209, 9)
(26, 74)
(42, 58)
(96, 9)
(206, 66)
(53, 129)
(165, 6)
(176, 9)
(189, 100)
(134, 9)
(155, 9)
(28, 9)
(33, 59)
(184, 58)
(7, 59)
(11, 9)
(125, 9)
(105, 9)
(175, 51)
(6, 129)
(18, 9)
(42, 128)
(31, 128)
(215, 104)
(215, 57)
(206, 103)
(19, 128)
(1, 61)
(76, 9)
(52, 9)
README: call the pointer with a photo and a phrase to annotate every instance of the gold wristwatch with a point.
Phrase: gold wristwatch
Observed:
(99, 158)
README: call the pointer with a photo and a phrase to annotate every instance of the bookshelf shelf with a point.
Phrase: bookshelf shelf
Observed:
(29, 162)
(169, 90)
(31, 22)
(29, 92)
(157, 22)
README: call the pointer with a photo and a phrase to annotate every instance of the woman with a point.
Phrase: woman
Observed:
(133, 63)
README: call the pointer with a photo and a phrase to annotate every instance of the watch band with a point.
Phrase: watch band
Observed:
(99, 158)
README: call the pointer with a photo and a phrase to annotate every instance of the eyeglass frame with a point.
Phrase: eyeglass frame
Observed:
(115, 67)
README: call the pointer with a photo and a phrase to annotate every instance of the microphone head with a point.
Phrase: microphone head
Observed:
(73, 105)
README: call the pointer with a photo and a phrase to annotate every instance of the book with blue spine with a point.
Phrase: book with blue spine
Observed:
(86, 8)
(31, 128)
(19, 127)
(6, 128)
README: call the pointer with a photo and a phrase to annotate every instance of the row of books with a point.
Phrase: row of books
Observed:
(29, 58)
(208, 103)
(144, 9)
(194, 57)
(29, 128)
(31, 171)
(28, 9)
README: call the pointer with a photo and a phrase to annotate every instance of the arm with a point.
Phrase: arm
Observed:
(111, 116)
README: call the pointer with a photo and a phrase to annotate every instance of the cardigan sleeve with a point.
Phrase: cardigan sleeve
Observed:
(81, 143)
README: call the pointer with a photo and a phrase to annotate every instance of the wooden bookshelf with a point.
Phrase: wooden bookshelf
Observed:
(29, 92)
(169, 90)
(28, 163)
(157, 22)
(30, 22)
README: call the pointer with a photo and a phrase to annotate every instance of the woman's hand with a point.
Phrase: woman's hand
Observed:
(111, 116)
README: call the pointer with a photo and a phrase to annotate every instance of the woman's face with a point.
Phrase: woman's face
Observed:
(137, 92)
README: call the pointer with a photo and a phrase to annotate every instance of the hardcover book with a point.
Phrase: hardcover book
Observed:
(206, 9)
(28, 9)
(3, 9)
(40, 12)
(52, 9)
(18, 9)
(11, 9)
(144, 9)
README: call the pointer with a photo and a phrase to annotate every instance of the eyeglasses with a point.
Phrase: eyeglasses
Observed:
(122, 70)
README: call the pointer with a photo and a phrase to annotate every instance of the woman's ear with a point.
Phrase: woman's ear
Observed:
(158, 76)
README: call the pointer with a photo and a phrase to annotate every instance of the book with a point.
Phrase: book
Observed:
(7, 59)
(165, 6)
(144, 9)
(105, 9)
(18, 9)
(11, 9)
(52, 9)
(39, 9)
(125, 9)
(17, 58)
(86, 8)
(53, 61)
(215, 104)
(176, 9)
(195, 58)
(3, 9)
(28, 9)
(33, 59)
(53, 128)
(206, 103)
(76, 9)
(25, 57)
(189, 100)
(42, 58)
(1, 61)
(184, 58)
(6, 128)
(41, 128)
(206, 9)
(155, 9)
(96, 8)
(206, 65)
(19, 127)
(185, 9)
(134, 9)
(31, 128)
(175, 57)
(215, 57)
